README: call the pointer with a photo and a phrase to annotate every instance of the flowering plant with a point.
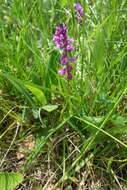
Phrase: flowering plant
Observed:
(62, 42)
(79, 12)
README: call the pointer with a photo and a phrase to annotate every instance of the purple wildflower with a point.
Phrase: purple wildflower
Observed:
(72, 59)
(64, 60)
(69, 77)
(62, 42)
(79, 12)
(69, 68)
(62, 71)
(69, 48)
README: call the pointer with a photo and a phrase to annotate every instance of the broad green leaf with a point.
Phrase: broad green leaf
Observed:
(119, 125)
(35, 113)
(50, 108)
(52, 72)
(119, 120)
(18, 85)
(37, 93)
(8, 181)
(96, 120)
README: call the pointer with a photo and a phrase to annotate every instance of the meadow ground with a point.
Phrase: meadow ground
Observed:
(63, 95)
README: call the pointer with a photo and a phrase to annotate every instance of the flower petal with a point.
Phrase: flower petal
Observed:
(62, 71)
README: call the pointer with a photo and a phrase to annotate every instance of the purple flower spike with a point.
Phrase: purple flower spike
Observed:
(62, 42)
(79, 9)
(79, 12)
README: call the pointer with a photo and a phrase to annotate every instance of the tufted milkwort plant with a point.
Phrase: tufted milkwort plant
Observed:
(65, 44)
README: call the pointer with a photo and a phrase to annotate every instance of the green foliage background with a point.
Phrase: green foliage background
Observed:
(93, 104)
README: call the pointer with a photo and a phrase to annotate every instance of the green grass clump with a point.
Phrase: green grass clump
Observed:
(64, 134)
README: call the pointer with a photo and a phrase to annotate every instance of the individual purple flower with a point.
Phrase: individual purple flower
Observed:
(72, 59)
(69, 77)
(69, 48)
(79, 9)
(79, 12)
(65, 60)
(69, 68)
(62, 42)
(62, 71)
(70, 41)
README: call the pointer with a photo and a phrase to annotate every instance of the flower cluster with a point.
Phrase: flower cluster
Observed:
(79, 12)
(62, 42)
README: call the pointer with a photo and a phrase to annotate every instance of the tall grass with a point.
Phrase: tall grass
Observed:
(92, 105)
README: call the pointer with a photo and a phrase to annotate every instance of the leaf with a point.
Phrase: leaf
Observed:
(96, 120)
(35, 113)
(119, 120)
(119, 125)
(8, 181)
(18, 85)
(52, 67)
(51, 72)
(63, 3)
(50, 108)
(37, 93)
